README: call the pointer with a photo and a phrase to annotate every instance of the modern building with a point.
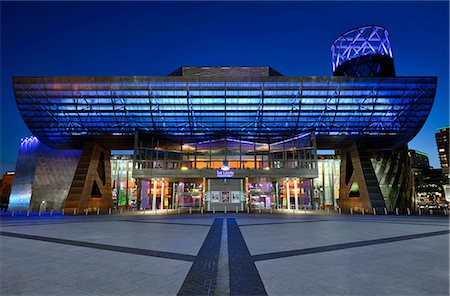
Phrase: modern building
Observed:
(442, 142)
(430, 189)
(419, 160)
(229, 137)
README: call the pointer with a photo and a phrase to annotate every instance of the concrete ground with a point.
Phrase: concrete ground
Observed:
(224, 254)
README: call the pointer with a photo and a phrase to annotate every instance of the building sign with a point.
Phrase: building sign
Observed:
(225, 174)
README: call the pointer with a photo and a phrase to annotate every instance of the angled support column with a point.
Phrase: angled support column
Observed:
(359, 186)
(91, 185)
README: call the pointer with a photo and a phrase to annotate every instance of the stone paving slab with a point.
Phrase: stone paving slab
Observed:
(413, 265)
(158, 237)
(416, 267)
(284, 237)
(50, 269)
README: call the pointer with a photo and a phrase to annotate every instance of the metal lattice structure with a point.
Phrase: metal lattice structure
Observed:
(362, 41)
(64, 112)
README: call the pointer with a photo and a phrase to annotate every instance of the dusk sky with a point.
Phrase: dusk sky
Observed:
(152, 38)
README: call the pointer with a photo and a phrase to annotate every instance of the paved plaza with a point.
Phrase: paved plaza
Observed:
(224, 254)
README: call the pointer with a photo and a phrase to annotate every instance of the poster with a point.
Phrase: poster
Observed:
(225, 196)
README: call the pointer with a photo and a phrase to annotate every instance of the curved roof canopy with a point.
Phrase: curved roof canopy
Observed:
(63, 112)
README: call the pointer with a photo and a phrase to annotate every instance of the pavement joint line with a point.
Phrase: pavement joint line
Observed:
(244, 276)
(169, 223)
(289, 222)
(343, 246)
(57, 222)
(395, 222)
(201, 278)
(120, 249)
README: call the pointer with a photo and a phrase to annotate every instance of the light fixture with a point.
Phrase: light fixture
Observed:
(225, 166)
(184, 168)
(266, 168)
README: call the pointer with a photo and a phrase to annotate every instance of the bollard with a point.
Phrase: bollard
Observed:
(236, 209)
(445, 212)
(271, 211)
(28, 213)
(121, 210)
(225, 209)
(420, 213)
(190, 210)
(74, 211)
(178, 211)
(214, 210)
(431, 212)
(305, 210)
(351, 211)
(408, 212)
(109, 212)
(396, 211)
(385, 211)
(201, 210)
(98, 212)
(259, 211)
(362, 211)
(374, 212)
(51, 212)
(12, 214)
(248, 210)
(62, 212)
(85, 212)
(328, 210)
(340, 213)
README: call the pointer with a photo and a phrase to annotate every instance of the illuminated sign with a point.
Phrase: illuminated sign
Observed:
(225, 174)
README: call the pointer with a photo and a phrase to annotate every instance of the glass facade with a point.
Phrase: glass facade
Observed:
(124, 186)
(270, 109)
(326, 186)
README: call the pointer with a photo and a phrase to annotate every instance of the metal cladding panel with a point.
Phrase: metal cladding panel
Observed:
(42, 174)
(54, 174)
(64, 112)
(25, 167)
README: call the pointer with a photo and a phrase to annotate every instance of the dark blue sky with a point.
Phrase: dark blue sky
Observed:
(151, 38)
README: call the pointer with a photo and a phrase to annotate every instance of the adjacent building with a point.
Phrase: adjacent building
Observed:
(442, 142)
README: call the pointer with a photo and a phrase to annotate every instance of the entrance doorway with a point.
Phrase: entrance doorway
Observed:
(225, 194)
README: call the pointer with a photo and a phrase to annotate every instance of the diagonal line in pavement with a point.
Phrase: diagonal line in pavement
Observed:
(336, 247)
(128, 250)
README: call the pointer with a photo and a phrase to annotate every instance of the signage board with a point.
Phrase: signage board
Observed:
(225, 174)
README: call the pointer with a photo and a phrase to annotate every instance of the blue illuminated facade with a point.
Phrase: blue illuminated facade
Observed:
(64, 112)
(266, 127)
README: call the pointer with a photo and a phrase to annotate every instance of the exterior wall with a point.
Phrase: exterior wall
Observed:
(42, 175)
(25, 167)
(225, 71)
(53, 176)
(395, 179)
